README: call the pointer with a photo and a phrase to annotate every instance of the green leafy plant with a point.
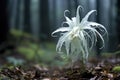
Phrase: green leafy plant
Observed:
(17, 33)
(116, 69)
(80, 36)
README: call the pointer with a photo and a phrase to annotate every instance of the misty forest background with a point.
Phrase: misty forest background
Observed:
(40, 17)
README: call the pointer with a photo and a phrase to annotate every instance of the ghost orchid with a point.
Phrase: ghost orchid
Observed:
(80, 36)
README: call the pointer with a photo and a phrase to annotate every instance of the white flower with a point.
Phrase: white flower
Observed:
(79, 36)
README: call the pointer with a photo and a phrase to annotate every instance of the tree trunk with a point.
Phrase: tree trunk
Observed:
(3, 24)
(27, 15)
(118, 19)
(45, 19)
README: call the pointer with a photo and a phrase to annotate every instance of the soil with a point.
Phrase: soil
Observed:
(100, 71)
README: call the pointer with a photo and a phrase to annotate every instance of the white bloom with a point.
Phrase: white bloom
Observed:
(79, 36)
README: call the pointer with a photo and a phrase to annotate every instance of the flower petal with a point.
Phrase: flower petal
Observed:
(99, 26)
(67, 45)
(68, 20)
(62, 29)
(95, 31)
(60, 43)
(74, 21)
(61, 40)
(87, 16)
(77, 14)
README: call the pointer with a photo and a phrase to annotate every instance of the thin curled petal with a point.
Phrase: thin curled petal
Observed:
(87, 16)
(61, 40)
(67, 46)
(94, 30)
(60, 43)
(77, 14)
(99, 26)
(90, 38)
(67, 19)
(62, 29)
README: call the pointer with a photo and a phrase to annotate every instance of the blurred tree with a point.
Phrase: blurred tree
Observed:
(35, 18)
(12, 10)
(45, 29)
(3, 24)
(17, 13)
(27, 15)
(118, 19)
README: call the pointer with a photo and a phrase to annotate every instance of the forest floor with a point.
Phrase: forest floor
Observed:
(104, 69)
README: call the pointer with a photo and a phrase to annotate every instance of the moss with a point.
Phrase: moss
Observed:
(116, 69)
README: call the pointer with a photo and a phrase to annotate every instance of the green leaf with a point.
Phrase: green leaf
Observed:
(116, 69)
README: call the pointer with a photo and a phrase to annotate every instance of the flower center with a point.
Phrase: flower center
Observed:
(74, 33)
